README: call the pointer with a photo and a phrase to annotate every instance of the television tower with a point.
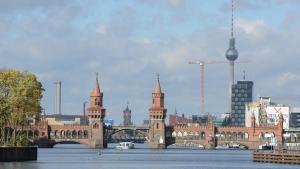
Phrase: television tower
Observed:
(231, 55)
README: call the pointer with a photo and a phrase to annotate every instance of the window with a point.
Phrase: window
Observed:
(96, 125)
(157, 125)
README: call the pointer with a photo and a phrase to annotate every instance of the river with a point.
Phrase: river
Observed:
(76, 156)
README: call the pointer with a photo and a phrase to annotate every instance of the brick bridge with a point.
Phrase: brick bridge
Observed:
(157, 134)
(211, 136)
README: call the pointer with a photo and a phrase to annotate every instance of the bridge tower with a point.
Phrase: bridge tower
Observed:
(96, 114)
(157, 112)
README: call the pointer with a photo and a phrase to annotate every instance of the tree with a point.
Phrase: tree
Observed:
(20, 99)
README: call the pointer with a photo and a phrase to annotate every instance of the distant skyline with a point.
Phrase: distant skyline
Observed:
(129, 41)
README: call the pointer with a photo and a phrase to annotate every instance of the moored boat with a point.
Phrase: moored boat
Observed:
(226, 146)
(125, 145)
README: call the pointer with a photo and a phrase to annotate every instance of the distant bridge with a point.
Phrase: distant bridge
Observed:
(115, 134)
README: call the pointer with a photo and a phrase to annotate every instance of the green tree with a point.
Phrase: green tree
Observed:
(20, 94)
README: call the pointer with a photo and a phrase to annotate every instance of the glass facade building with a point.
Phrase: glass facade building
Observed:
(241, 94)
(295, 120)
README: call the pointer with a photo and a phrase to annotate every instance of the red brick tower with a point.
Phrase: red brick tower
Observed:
(96, 114)
(157, 117)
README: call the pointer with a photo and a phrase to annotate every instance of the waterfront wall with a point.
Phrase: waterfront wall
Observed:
(8, 154)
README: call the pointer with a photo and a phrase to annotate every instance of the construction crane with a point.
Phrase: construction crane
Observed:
(202, 80)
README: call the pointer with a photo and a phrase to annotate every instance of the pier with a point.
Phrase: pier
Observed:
(276, 157)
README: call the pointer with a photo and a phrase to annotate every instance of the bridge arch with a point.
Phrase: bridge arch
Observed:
(30, 134)
(80, 134)
(168, 134)
(69, 134)
(85, 134)
(36, 134)
(174, 134)
(202, 135)
(117, 131)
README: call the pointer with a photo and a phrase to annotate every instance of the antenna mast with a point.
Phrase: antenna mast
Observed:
(232, 18)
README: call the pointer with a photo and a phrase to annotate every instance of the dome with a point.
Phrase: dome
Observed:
(231, 53)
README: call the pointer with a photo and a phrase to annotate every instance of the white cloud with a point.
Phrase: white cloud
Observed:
(51, 47)
(101, 29)
(255, 29)
(286, 78)
(175, 3)
(174, 57)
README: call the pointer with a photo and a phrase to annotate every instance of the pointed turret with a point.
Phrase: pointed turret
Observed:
(96, 95)
(157, 87)
(96, 90)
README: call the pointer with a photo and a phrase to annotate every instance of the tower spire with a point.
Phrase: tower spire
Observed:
(96, 90)
(157, 87)
(97, 74)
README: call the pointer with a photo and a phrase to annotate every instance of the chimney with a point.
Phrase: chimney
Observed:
(84, 109)
(58, 98)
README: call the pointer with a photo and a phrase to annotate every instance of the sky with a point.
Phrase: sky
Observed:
(128, 42)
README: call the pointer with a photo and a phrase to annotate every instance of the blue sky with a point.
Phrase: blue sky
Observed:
(129, 41)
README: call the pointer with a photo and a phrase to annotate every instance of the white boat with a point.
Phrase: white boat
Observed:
(235, 146)
(223, 146)
(201, 146)
(125, 145)
(265, 147)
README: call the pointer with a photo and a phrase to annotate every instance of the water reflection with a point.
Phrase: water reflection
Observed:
(19, 165)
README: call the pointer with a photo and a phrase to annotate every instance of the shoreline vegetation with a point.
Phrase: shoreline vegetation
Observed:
(20, 106)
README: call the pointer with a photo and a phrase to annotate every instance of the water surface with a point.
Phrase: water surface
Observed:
(76, 156)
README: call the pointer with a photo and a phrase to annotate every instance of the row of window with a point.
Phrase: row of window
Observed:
(238, 116)
(241, 99)
(238, 120)
(239, 94)
(242, 86)
(156, 117)
(238, 124)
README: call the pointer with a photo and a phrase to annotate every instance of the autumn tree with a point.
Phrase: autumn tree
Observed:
(20, 99)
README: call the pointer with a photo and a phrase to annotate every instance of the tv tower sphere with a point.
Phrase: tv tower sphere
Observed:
(231, 53)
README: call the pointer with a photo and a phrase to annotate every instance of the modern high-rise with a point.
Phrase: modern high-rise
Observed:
(295, 120)
(241, 95)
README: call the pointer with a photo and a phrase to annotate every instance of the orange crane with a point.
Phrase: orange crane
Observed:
(202, 80)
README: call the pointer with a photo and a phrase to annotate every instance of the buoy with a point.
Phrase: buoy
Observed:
(99, 152)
